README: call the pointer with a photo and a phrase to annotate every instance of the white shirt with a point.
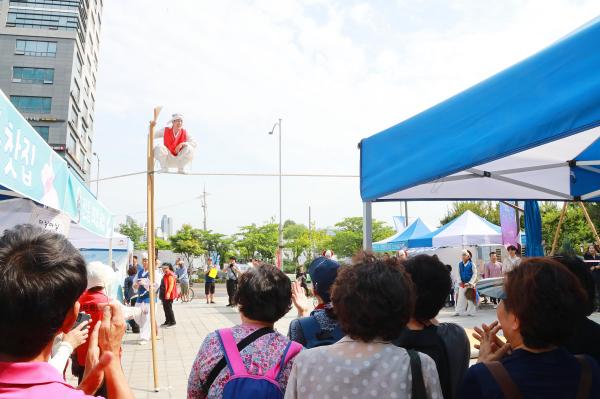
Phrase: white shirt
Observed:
(510, 263)
(356, 369)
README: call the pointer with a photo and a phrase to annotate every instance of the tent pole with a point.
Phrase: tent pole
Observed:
(151, 243)
(110, 248)
(589, 220)
(557, 233)
(367, 226)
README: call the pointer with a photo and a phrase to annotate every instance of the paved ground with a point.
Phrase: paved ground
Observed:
(178, 346)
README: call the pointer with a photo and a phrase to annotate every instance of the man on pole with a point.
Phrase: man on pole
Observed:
(177, 147)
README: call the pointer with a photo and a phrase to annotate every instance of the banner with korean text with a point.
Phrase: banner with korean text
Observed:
(28, 166)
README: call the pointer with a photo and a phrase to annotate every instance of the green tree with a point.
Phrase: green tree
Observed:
(260, 240)
(293, 230)
(134, 231)
(187, 243)
(215, 242)
(349, 235)
(486, 209)
(575, 231)
(162, 244)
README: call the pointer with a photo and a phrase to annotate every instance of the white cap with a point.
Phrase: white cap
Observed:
(145, 255)
(99, 275)
(175, 117)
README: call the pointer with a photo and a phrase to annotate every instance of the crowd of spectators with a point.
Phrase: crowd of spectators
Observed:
(374, 331)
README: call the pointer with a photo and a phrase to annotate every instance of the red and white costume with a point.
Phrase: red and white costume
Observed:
(165, 151)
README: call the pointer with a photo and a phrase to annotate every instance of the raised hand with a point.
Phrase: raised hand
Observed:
(299, 299)
(94, 367)
(112, 329)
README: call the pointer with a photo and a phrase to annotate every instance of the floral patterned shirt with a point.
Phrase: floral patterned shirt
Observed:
(259, 357)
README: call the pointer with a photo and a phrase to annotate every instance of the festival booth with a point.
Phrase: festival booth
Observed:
(528, 133)
(37, 187)
(400, 240)
(466, 230)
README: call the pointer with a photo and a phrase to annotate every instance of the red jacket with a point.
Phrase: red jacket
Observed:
(170, 281)
(88, 302)
(171, 142)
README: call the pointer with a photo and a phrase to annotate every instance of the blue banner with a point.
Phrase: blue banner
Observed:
(28, 166)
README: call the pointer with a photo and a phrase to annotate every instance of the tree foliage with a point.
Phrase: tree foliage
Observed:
(134, 231)
(486, 209)
(262, 241)
(575, 231)
(349, 235)
(187, 243)
(216, 242)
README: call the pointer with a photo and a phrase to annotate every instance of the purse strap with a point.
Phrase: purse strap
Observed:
(418, 385)
(585, 381)
(507, 385)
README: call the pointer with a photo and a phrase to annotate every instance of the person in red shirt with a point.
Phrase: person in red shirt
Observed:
(168, 293)
(99, 277)
(42, 275)
(176, 149)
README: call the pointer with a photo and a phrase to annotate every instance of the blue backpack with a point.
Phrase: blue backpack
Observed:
(244, 385)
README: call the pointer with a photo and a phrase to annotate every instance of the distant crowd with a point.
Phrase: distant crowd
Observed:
(373, 331)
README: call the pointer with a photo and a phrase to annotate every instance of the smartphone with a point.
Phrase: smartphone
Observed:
(81, 317)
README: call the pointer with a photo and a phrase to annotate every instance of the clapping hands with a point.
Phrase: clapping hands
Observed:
(491, 347)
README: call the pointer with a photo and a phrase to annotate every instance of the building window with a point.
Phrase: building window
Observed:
(71, 144)
(35, 48)
(75, 92)
(78, 64)
(73, 119)
(34, 105)
(43, 131)
(33, 75)
(88, 166)
(72, 5)
(81, 158)
(42, 20)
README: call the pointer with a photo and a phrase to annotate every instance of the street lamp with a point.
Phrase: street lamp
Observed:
(280, 260)
(97, 173)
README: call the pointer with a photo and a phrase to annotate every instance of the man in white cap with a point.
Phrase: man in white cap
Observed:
(177, 147)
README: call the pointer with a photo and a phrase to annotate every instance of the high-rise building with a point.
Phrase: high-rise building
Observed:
(166, 225)
(48, 69)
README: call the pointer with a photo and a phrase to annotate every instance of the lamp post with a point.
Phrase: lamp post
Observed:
(97, 173)
(280, 244)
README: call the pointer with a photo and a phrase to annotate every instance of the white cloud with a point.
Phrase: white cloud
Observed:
(331, 72)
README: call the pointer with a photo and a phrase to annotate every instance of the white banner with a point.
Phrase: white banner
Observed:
(51, 220)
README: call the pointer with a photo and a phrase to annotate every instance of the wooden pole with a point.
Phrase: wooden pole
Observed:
(557, 233)
(151, 242)
(589, 220)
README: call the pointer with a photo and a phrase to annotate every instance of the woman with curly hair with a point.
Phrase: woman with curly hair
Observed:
(373, 300)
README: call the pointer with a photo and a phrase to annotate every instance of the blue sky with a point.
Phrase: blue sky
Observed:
(335, 71)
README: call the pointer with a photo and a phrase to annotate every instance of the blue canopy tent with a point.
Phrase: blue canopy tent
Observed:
(400, 239)
(529, 132)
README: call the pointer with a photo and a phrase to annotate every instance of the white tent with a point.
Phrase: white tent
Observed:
(113, 252)
(466, 230)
